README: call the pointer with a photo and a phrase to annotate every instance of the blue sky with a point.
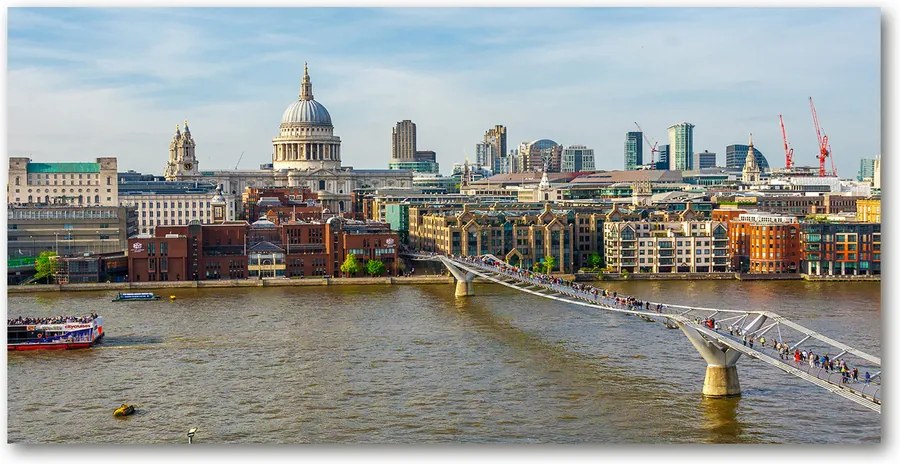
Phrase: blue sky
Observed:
(90, 82)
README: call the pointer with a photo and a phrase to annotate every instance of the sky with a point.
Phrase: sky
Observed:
(89, 82)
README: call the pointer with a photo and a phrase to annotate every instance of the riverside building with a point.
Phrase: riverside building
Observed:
(764, 243)
(666, 246)
(835, 248)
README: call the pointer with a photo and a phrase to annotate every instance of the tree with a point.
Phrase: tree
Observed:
(549, 264)
(595, 260)
(44, 265)
(537, 266)
(350, 266)
(375, 267)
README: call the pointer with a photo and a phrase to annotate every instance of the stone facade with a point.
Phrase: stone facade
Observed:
(78, 184)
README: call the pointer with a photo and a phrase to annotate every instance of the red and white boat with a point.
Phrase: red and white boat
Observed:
(53, 334)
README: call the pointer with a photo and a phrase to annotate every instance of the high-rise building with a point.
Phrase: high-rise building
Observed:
(866, 169)
(876, 173)
(577, 158)
(705, 160)
(495, 148)
(405, 155)
(681, 146)
(403, 144)
(663, 162)
(634, 154)
(736, 157)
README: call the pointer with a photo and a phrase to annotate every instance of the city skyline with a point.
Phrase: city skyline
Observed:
(595, 70)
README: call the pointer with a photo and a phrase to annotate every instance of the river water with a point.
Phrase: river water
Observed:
(414, 364)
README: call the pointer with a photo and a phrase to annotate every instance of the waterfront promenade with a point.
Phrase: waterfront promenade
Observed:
(234, 283)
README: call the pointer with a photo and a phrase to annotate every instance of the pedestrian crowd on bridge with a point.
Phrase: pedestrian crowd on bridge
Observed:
(613, 299)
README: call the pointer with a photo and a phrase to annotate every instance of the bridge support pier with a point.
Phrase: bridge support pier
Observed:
(721, 361)
(465, 287)
(464, 284)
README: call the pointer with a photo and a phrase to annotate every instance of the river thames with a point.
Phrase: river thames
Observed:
(414, 364)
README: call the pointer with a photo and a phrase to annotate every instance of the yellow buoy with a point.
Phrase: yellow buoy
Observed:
(124, 410)
(172, 297)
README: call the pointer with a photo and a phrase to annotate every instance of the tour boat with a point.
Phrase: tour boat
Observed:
(136, 297)
(53, 336)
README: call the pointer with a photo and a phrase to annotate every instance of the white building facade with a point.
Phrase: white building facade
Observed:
(176, 209)
(75, 184)
(663, 247)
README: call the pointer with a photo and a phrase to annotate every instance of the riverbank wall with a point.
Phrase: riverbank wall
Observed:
(232, 283)
(590, 277)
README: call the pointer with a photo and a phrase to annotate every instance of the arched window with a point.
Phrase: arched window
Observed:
(96, 198)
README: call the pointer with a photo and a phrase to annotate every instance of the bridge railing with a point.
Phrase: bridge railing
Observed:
(869, 390)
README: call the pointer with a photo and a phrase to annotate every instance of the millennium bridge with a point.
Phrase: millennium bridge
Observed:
(719, 335)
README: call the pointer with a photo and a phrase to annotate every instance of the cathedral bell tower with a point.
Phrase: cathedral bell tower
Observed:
(182, 160)
(750, 173)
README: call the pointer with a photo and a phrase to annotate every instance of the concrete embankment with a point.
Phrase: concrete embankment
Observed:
(587, 277)
(236, 283)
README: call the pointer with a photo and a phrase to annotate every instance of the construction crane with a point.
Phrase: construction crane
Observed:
(788, 152)
(824, 146)
(239, 161)
(652, 146)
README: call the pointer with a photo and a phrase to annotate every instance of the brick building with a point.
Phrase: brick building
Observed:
(765, 243)
(237, 250)
(841, 248)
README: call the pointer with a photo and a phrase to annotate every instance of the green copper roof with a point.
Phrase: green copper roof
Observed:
(56, 168)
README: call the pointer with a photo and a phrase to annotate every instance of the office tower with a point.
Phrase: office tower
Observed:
(403, 146)
(866, 169)
(705, 160)
(736, 157)
(496, 139)
(681, 146)
(634, 154)
(663, 162)
(576, 158)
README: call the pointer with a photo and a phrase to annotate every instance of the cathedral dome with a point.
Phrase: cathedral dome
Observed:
(306, 112)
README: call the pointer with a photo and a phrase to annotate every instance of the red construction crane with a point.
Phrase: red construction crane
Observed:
(824, 147)
(652, 146)
(788, 152)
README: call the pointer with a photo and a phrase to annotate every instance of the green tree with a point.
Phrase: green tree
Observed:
(350, 266)
(549, 264)
(44, 265)
(595, 260)
(375, 267)
(537, 266)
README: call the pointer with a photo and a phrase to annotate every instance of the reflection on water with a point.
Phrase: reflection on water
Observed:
(720, 419)
(413, 364)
